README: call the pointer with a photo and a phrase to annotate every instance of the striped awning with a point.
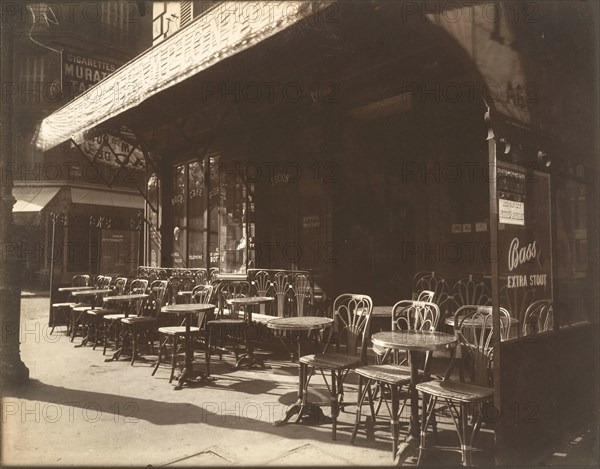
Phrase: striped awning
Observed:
(223, 31)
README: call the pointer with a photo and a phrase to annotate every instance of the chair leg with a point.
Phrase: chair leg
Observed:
(394, 417)
(160, 351)
(105, 331)
(334, 404)
(207, 357)
(361, 398)
(464, 424)
(134, 337)
(173, 358)
(423, 441)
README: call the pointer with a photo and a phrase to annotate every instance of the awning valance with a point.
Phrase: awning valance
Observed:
(33, 199)
(225, 30)
(106, 198)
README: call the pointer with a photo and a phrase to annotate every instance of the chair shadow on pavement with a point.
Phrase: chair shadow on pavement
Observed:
(225, 413)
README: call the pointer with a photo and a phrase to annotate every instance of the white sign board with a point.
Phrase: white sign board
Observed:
(511, 212)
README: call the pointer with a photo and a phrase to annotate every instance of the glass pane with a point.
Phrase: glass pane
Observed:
(196, 202)
(178, 205)
(153, 218)
(232, 239)
(525, 251)
(571, 253)
(213, 207)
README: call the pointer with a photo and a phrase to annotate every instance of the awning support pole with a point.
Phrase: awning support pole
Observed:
(494, 253)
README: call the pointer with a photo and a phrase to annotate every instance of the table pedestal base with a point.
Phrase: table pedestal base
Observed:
(311, 412)
(408, 448)
(250, 361)
(190, 376)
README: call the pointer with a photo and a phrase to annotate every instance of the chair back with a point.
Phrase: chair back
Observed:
(80, 281)
(103, 281)
(517, 300)
(474, 327)
(262, 283)
(151, 305)
(437, 285)
(352, 318)
(302, 292)
(470, 291)
(229, 290)
(415, 315)
(538, 317)
(139, 285)
(281, 286)
(202, 294)
(120, 285)
(425, 295)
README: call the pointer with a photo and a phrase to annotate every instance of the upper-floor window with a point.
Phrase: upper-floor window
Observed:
(33, 69)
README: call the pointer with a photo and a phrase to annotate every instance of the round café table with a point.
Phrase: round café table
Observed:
(302, 325)
(414, 342)
(248, 358)
(188, 374)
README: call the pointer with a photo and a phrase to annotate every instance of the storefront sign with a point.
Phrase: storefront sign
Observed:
(82, 72)
(113, 151)
(511, 212)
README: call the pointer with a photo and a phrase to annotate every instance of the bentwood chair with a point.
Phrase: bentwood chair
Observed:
(424, 295)
(146, 324)
(475, 331)
(302, 293)
(225, 325)
(59, 312)
(78, 316)
(471, 291)
(352, 317)
(111, 322)
(200, 294)
(406, 315)
(96, 314)
(538, 317)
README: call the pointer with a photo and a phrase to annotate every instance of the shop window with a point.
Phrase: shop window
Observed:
(153, 217)
(571, 252)
(178, 209)
(33, 69)
(196, 204)
(213, 216)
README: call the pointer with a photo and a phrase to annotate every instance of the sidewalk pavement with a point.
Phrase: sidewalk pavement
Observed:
(79, 410)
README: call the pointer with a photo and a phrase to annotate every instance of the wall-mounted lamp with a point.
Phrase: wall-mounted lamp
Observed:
(543, 159)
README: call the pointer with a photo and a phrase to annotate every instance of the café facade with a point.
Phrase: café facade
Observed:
(368, 142)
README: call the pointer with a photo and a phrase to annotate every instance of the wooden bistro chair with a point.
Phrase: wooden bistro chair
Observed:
(352, 317)
(200, 294)
(96, 314)
(406, 315)
(146, 324)
(474, 331)
(78, 316)
(60, 311)
(111, 322)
